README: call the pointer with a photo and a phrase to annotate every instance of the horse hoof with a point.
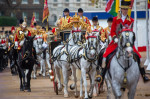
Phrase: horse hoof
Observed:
(34, 78)
(40, 74)
(21, 89)
(85, 98)
(29, 90)
(66, 95)
(76, 96)
(90, 96)
(95, 95)
(60, 89)
(81, 97)
(72, 88)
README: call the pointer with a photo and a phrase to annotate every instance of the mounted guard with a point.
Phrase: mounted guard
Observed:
(126, 21)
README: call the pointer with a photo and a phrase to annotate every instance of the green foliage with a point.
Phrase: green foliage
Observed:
(8, 21)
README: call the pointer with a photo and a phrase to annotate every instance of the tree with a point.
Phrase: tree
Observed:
(7, 6)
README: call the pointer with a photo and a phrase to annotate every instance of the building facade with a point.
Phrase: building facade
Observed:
(56, 7)
(22, 8)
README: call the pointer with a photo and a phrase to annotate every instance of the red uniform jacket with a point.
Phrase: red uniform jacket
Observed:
(116, 21)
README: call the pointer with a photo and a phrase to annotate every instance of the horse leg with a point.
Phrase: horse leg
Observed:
(108, 86)
(41, 66)
(81, 86)
(20, 76)
(132, 90)
(92, 74)
(34, 71)
(65, 77)
(47, 61)
(116, 89)
(44, 69)
(83, 71)
(57, 70)
(28, 79)
(95, 90)
(74, 86)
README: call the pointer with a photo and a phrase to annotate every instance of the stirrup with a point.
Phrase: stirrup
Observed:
(100, 78)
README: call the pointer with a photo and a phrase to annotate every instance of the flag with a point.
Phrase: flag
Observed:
(148, 4)
(112, 7)
(130, 9)
(45, 11)
(33, 21)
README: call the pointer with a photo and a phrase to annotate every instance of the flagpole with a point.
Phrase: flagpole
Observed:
(148, 67)
(147, 37)
(135, 25)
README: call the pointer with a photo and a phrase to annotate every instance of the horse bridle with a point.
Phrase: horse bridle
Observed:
(28, 52)
(78, 41)
(91, 47)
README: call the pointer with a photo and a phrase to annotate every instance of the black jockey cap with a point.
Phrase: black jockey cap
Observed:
(95, 19)
(44, 28)
(110, 19)
(21, 21)
(49, 28)
(35, 24)
(66, 10)
(3, 28)
(80, 10)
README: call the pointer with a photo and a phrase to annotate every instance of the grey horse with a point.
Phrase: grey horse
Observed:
(124, 70)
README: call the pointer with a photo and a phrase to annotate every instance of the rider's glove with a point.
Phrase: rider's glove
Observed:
(16, 45)
(21, 43)
(115, 39)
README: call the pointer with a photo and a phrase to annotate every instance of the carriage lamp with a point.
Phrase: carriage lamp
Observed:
(128, 44)
(52, 78)
(50, 72)
(127, 34)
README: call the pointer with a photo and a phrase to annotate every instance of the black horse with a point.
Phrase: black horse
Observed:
(3, 59)
(26, 62)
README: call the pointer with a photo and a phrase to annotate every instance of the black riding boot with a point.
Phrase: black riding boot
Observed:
(100, 78)
(44, 54)
(142, 70)
(100, 59)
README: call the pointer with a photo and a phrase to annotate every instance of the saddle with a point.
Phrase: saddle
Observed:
(109, 58)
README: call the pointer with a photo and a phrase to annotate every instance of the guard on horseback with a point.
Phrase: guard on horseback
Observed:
(12, 52)
(21, 32)
(3, 50)
(126, 21)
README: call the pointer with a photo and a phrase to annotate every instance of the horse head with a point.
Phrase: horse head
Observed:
(126, 40)
(92, 44)
(77, 35)
(39, 41)
(28, 45)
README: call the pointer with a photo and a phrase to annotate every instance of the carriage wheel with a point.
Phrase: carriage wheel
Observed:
(55, 87)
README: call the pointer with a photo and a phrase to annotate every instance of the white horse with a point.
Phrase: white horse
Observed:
(85, 58)
(61, 58)
(38, 42)
(38, 48)
(124, 70)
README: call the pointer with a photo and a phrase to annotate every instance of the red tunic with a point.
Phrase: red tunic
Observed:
(112, 46)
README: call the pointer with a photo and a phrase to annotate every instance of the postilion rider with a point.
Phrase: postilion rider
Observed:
(126, 21)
